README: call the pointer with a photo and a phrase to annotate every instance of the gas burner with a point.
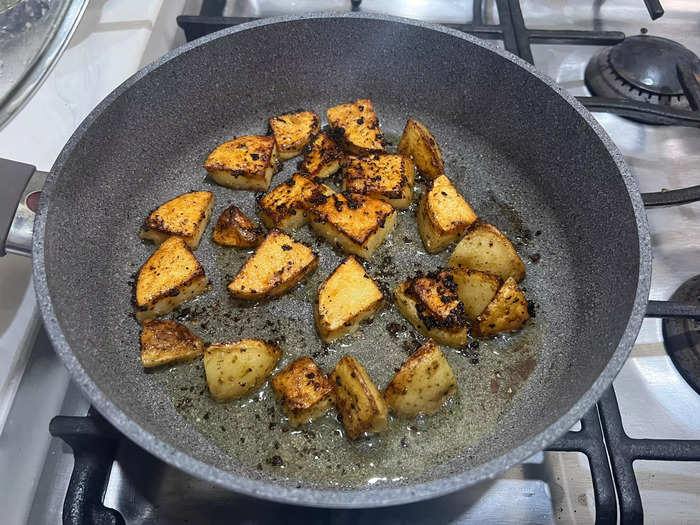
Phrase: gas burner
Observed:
(642, 69)
(682, 336)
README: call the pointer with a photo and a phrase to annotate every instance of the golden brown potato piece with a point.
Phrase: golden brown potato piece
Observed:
(234, 369)
(432, 306)
(355, 127)
(418, 143)
(286, 206)
(165, 342)
(437, 294)
(345, 299)
(246, 163)
(440, 304)
(293, 131)
(171, 276)
(443, 215)
(277, 264)
(359, 403)
(506, 312)
(354, 223)
(185, 216)
(305, 392)
(423, 383)
(485, 248)
(385, 177)
(474, 288)
(322, 157)
(234, 228)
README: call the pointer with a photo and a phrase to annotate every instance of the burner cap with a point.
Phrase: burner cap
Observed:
(643, 69)
(682, 336)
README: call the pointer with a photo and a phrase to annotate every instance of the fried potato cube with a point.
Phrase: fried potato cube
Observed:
(185, 216)
(359, 403)
(443, 215)
(246, 163)
(385, 177)
(165, 342)
(305, 392)
(507, 312)
(293, 131)
(276, 265)
(234, 369)
(322, 157)
(354, 223)
(355, 127)
(418, 143)
(485, 248)
(437, 295)
(475, 289)
(234, 228)
(432, 306)
(170, 277)
(345, 299)
(287, 206)
(423, 383)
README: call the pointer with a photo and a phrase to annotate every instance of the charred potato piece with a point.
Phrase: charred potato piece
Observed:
(246, 163)
(185, 216)
(506, 312)
(305, 392)
(418, 143)
(432, 306)
(423, 383)
(165, 342)
(443, 215)
(437, 295)
(293, 131)
(286, 206)
(485, 248)
(355, 127)
(475, 289)
(385, 177)
(171, 276)
(359, 403)
(346, 298)
(354, 223)
(234, 369)
(234, 228)
(276, 265)
(322, 157)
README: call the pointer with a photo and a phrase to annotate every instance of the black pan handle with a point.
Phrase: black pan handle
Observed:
(19, 201)
(94, 443)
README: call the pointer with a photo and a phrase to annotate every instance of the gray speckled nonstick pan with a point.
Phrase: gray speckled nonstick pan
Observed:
(525, 154)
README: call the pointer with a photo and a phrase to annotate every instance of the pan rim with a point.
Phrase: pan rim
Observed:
(360, 498)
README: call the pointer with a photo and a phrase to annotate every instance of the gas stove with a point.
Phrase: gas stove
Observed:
(652, 413)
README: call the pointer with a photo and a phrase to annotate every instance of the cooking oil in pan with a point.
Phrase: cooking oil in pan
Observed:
(253, 429)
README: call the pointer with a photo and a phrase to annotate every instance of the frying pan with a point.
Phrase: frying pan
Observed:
(526, 155)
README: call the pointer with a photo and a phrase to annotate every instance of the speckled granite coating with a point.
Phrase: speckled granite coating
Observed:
(526, 155)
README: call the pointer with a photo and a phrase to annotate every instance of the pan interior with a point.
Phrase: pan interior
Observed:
(522, 156)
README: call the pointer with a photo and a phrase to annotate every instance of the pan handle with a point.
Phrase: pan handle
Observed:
(19, 201)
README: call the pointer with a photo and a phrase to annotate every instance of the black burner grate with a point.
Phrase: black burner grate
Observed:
(94, 443)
